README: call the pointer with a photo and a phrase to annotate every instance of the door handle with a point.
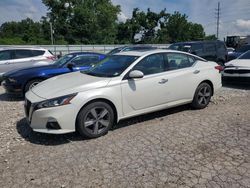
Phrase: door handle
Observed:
(7, 63)
(163, 81)
(196, 71)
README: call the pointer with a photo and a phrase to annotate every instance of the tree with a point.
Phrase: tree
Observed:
(88, 21)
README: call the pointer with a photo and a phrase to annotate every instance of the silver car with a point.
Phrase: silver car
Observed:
(15, 58)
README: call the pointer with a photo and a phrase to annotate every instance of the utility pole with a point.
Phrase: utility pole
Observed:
(218, 13)
(51, 34)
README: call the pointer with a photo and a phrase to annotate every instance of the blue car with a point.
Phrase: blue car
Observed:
(20, 81)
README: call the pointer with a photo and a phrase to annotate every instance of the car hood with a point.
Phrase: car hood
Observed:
(68, 84)
(21, 72)
(238, 63)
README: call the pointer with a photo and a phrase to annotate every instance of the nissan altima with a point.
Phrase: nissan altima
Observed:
(120, 86)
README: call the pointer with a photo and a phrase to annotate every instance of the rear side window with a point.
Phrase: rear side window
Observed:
(221, 46)
(178, 61)
(19, 54)
(210, 47)
(37, 52)
(197, 49)
(86, 60)
(5, 55)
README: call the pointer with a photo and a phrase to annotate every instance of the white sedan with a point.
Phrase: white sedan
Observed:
(121, 86)
(238, 70)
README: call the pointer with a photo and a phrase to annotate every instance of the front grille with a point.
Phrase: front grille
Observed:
(237, 71)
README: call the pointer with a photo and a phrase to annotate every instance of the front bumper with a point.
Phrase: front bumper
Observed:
(12, 88)
(63, 116)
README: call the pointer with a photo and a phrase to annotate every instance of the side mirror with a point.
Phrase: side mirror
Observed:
(70, 66)
(136, 74)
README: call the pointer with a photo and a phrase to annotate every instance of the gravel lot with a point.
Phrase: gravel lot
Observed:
(173, 148)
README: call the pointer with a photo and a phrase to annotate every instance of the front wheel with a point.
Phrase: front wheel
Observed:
(202, 96)
(95, 120)
(31, 84)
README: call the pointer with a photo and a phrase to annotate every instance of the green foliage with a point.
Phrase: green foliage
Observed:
(96, 22)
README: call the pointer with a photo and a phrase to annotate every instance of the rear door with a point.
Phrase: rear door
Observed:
(5, 60)
(21, 59)
(182, 77)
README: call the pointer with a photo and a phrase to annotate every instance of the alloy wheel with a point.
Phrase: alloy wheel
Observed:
(97, 120)
(204, 95)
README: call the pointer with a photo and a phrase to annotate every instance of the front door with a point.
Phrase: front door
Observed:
(149, 91)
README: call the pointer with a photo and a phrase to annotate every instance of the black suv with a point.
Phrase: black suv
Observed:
(209, 50)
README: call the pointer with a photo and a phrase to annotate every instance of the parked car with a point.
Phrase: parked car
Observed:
(230, 50)
(15, 58)
(20, 81)
(209, 50)
(131, 48)
(238, 52)
(121, 86)
(238, 70)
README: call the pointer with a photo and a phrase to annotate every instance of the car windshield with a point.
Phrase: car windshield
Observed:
(243, 49)
(111, 66)
(60, 62)
(245, 55)
(114, 51)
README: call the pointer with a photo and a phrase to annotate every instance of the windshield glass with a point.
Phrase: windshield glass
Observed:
(245, 55)
(60, 62)
(111, 66)
(114, 51)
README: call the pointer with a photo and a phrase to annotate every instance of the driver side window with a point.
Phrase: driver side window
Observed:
(86, 60)
(151, 64)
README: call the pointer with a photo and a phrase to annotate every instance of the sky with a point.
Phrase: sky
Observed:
(235, 14)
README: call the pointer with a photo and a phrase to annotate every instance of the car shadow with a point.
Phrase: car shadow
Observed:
(236, 85)
(10, 98)
(51, 140)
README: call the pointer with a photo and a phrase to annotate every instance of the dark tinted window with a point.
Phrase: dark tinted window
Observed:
(245, 55)
(221, 46)
(178, 61)
(86, 60)
(151, 65)
(197, 49)
(22, 54)
(210, 47)
(114, 51)
(38, 52)
(5, 55)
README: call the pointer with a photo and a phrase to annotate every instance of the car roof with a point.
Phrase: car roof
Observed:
(148, 52)
(145, 52)
(82, 53)
(195, 42)
(22, 48)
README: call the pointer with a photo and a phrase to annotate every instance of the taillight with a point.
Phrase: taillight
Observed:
(219, 68)
(53, 58)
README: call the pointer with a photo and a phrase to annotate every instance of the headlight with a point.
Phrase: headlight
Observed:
(59, 101)
(12, 80)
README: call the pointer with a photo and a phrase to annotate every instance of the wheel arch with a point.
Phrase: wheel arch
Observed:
(100, 100)
(30, 79)
(209, 82)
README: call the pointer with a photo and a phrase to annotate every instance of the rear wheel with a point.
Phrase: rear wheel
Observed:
(31, 84)
(202, 96)
(95, 120)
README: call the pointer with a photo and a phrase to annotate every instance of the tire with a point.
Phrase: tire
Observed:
(95, 120)
(31, 84)
(202, 96)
